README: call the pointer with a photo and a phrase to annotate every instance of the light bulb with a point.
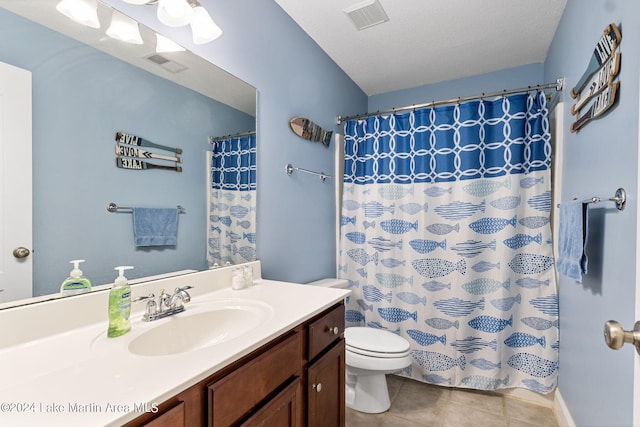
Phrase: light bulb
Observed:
(124, 29)
(174, 13)
(202, 26)
(84, 12)
(164, 44)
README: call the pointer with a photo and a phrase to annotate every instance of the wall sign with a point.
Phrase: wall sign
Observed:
(127, 150)
(601, 91)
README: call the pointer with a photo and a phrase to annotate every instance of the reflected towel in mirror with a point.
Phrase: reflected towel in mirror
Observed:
(155, 226)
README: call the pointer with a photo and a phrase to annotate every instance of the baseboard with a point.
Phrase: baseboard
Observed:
(562, 412)
(545, 400)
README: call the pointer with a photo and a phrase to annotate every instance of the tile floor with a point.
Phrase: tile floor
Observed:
(417, 404)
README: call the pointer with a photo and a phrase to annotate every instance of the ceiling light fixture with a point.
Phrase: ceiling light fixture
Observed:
(84, 12)
(179, 13)
(203, 28)
(164, 45)
(173, 13)
(124, 29)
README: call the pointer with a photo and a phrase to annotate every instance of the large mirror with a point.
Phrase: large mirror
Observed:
(86, 87)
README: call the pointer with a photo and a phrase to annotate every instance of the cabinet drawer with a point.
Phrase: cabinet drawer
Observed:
(326, 330)
(235, 395)
(281, 411)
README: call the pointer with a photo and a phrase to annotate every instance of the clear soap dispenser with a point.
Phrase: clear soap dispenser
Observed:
(75, 283)
(119, 305)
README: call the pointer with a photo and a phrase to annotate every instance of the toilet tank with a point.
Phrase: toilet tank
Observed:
(331, 283)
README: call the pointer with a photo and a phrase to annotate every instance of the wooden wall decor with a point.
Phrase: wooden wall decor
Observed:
(602, 90)
(128, 153)
(310, 131)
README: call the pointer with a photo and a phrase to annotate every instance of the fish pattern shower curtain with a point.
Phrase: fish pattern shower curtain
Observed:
(231, 233)
(446, 241)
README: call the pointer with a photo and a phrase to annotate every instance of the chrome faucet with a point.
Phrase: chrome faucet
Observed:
(167, 305)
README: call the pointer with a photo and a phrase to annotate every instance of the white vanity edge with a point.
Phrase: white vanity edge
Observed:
(46, 355)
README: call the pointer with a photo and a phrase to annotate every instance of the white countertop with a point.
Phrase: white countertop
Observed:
(81, 378)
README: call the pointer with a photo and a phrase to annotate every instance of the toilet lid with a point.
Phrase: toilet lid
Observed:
(375, 342)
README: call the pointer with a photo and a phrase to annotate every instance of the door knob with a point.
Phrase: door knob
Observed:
(21, 252)
(615, 336)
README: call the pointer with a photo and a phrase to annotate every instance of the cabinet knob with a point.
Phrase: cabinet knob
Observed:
(317, 387)
(335, 330)
(615, 336)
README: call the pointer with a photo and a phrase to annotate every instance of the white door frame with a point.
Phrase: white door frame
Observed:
(16, 182)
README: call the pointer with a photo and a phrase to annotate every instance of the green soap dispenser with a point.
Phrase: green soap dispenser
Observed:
(119, 305)
(75, 283)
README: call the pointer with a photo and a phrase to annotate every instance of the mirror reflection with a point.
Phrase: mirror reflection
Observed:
(87, 87)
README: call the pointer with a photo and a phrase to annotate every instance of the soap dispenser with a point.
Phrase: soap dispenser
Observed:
(75, 283)
(119, 305)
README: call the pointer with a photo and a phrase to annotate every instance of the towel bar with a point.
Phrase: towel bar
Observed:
(620, 199)
(112, 207)
(288, 168)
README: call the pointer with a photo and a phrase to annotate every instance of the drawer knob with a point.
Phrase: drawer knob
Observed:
(317, 387)
(335, 330)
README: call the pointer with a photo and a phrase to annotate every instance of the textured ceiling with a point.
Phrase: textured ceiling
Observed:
(429, 41)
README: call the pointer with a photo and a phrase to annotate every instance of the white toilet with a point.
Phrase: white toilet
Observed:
(370, 355)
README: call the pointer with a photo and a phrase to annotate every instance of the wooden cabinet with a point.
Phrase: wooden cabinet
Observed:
(325, 370)
(326, 389)
(295, 380)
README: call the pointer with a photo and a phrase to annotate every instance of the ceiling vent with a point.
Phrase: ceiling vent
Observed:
(366, 14)
(167, 64)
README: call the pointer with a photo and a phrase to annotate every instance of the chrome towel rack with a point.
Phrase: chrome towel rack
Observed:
(620, 199)
(112, 207)
(289, 170)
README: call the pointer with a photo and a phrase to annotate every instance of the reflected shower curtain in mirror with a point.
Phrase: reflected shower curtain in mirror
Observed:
(231, 232)
(445, 240)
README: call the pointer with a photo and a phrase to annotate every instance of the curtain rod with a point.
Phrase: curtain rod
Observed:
(558, 85)
(213, 139)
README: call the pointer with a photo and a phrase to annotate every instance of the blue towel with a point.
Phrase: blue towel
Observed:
(572, 239)
(155, 226)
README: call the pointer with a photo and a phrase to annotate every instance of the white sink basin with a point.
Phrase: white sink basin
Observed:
(200, 325)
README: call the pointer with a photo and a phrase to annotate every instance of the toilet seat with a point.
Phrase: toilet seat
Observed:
(375, 342)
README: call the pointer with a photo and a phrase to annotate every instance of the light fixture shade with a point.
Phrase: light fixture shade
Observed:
(164, 45)
(202, 26)
(84, 12)
(174, 13)
(137, 2)
(124, 29)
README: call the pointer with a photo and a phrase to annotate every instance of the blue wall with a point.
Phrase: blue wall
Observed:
(513, 78)
(595, 382)
(81, 97)
(263, 46)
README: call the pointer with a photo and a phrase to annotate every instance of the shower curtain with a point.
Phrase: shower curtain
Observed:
(445, 240)
(231, 236)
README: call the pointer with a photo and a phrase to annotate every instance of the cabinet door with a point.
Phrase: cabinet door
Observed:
(325, 389)
(174, 417)
(281, 411)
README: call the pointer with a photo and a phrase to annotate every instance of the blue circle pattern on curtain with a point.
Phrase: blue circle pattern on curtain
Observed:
(473, 140)
(445, 239)
(233, 164)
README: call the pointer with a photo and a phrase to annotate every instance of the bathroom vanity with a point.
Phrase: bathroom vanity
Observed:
(296, 379)
(284, 367)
